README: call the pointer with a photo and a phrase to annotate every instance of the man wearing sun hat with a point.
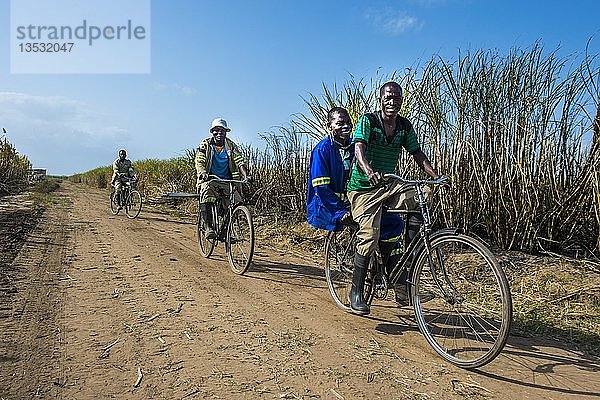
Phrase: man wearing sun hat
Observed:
(218, 156)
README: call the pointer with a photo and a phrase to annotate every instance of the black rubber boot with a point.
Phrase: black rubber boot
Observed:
(357, 299)
(206, 215)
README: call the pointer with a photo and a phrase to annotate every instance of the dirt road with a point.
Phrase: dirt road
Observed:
(100, 303)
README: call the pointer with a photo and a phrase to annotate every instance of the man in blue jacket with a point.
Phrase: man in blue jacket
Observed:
(326, 204)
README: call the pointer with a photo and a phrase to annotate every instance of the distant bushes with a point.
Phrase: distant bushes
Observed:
(46, 186)
(97, 178)
(14, 169)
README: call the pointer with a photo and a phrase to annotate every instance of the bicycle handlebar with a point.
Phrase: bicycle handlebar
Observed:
(442, 180)
(216, 178)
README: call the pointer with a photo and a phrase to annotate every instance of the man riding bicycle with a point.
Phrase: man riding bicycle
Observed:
(218, 156)
(379, 138)
(122, 171)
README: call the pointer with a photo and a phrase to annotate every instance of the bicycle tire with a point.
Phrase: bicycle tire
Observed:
(240, 239)
(339, 267)
(470, 325)
(206, 246)
(114, 208)
(134, 204)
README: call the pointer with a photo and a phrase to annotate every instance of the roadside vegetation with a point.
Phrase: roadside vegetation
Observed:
(519, 135)
(14, 169)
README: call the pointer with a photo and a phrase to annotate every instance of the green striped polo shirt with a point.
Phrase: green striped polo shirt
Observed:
(382, 154)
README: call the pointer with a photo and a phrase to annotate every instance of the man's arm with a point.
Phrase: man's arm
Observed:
(424, 163)
(243, 171)
(115, 172)
(239, 160)
(360, 149)
(130, 170)
(200, 161)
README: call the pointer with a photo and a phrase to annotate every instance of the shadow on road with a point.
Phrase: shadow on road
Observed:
(288, 273)
(537, 363)
(165, 220)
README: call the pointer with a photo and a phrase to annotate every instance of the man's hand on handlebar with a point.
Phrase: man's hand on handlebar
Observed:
(444, 182)
(375, 178)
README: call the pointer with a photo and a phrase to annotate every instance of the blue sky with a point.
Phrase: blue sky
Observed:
(249, 62)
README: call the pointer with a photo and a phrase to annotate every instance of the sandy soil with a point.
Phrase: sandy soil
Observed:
(93, 302)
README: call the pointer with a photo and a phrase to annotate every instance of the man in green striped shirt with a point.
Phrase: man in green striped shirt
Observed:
(379, 138)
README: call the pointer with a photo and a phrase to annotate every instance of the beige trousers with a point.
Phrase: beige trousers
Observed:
(366, 210)
(211, 190)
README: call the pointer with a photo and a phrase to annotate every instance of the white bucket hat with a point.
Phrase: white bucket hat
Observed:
(219, 122)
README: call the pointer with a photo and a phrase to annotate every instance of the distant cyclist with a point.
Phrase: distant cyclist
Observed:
(122, 171)
(221, 157)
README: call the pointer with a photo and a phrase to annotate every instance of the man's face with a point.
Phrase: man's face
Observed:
(219, 134)
(391, 100)
(122, 155)
(341, 126)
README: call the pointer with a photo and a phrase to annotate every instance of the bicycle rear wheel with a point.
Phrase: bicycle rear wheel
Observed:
(339, 267)
(114, 207)
(339, 264)
(134, 204)
(240, 239)
(466, 318)
(205, 245)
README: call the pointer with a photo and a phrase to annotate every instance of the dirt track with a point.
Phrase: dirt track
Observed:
(96, 299)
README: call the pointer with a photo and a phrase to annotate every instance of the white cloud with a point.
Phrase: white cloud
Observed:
(175, 87)
(393, 22)
(61, 134)
(55, 117)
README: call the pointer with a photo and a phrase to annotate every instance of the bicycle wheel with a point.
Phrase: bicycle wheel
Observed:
(205, 245)
(134, 204)
(114, 208)
(466, 315)
(240, 239)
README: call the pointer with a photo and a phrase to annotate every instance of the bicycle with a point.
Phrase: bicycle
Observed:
(458, 290)
(129, 198)
(234, 226)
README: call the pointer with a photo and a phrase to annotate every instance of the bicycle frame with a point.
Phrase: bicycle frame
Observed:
(126, 188)
(222, 228)
(423, 240)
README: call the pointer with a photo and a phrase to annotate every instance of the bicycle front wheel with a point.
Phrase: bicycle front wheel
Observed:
(462, 300)
(205, 245)
(114, 207)
(240, 239)
(134, 204)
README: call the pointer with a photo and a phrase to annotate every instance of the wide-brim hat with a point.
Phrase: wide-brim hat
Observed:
(219, 122)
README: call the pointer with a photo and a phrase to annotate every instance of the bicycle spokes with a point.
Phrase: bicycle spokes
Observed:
(240, 239)
(467, 315)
